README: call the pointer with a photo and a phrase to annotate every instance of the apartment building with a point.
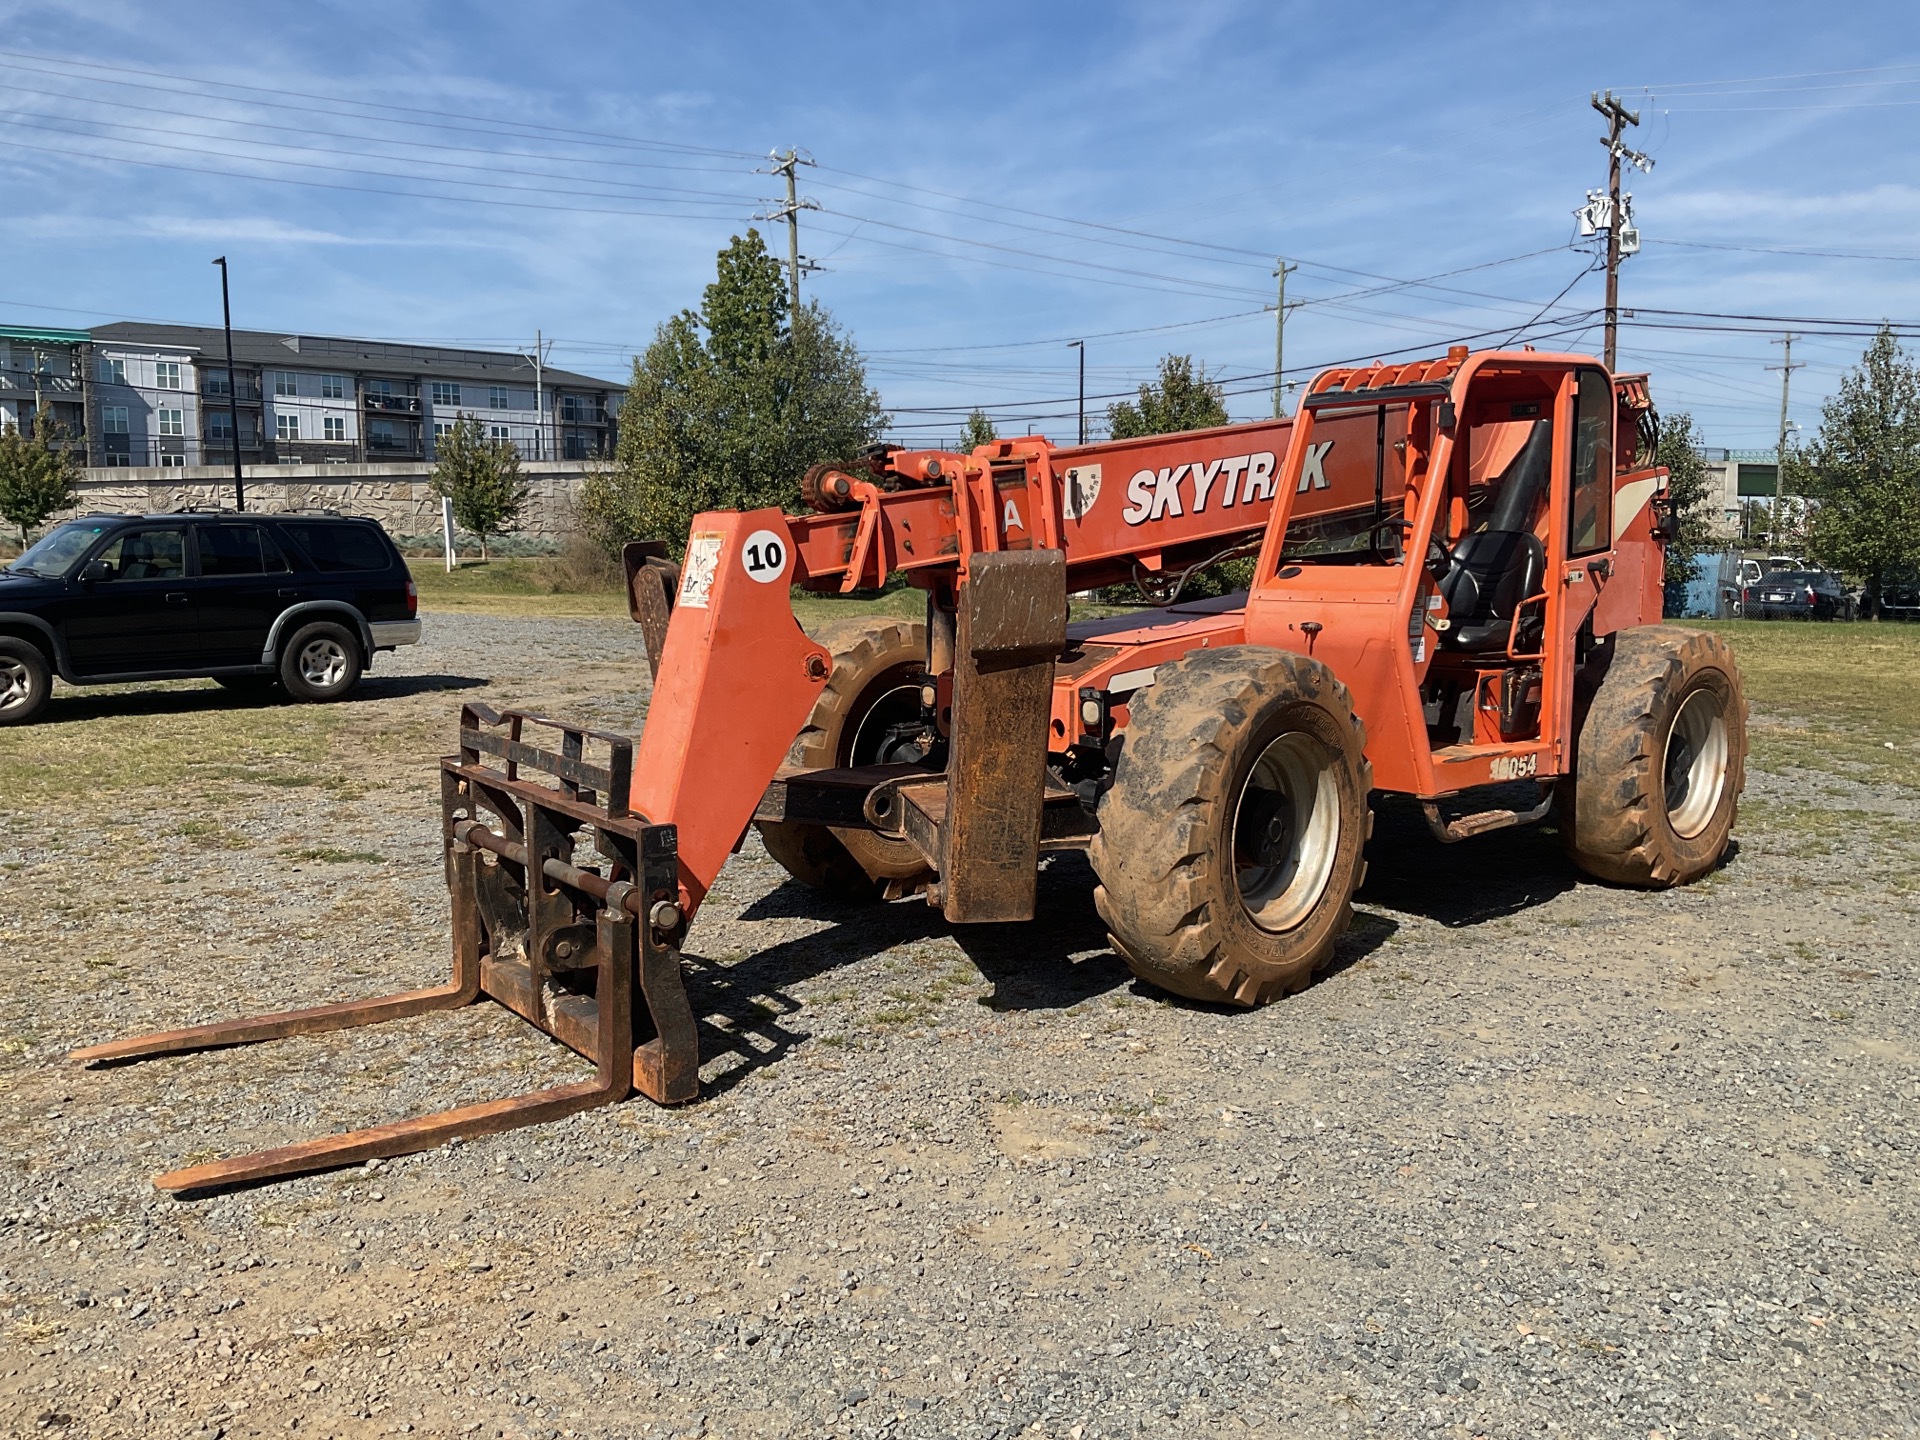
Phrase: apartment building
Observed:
(43, 368)
(160, 395)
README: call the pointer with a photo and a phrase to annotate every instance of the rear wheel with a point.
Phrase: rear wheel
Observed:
(26, 681)
(1660, 758)
(321, 662)
(878, 670)
(1230, 840)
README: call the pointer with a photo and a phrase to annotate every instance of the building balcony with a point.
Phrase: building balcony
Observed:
(393, 448)
(249, 393)
(26, 382)
(391, 404)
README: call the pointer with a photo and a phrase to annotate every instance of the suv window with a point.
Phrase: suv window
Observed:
(238, 550)
(337, 548)
(145, 555)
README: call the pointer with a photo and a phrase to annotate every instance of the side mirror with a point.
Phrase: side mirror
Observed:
(96, 570)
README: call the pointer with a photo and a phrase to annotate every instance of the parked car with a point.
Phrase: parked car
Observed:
(1796, 595)
(1900, 602)
(299, 603)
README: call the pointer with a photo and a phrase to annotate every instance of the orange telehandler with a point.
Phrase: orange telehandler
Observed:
(1456, 589)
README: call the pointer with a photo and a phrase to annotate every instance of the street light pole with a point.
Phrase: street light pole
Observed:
(233, 389)
(1081, 346)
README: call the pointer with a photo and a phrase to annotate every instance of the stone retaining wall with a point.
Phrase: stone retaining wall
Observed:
(398, 496)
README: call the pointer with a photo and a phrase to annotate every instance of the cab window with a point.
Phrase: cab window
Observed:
(1590, 515)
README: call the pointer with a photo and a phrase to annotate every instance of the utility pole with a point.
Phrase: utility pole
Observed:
(1282, 270)
(790, 212)
(539, 360)
(1618, 117)
(1786, 367)
(233, 390)
(1081, 346)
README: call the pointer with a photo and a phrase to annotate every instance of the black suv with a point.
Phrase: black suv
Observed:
(301, 600)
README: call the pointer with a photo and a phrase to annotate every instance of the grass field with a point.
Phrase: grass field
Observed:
(546, 588)
(1842, 698)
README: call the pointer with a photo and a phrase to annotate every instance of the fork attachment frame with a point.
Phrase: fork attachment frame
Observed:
(592, 959)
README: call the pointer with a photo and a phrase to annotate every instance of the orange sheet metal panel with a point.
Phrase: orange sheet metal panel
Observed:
(738, 678)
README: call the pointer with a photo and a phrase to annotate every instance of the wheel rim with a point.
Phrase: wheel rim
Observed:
(1696, 763)
(1286, 831)
(323, 662)
(892, 706)
(16, 683)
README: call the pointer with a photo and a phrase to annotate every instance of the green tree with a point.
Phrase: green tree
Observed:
(1863, 468)
(976, 432)
(1184, 399)
(481, 477)
(38, 474)
(729, 406)
(1689, 489)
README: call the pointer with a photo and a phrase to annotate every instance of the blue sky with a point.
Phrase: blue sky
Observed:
(993, 180)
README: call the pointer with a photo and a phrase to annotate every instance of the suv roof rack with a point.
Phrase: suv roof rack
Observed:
(203, 510)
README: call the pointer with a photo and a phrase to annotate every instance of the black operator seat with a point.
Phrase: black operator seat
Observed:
(1495, 569)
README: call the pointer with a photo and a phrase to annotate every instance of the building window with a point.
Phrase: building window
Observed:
(498, 432)
(172, 422)
(218, 382)
(336, 427)
(166, 374)
(283, 383)
(442, 429)
(570, 408)
(333, 387)
(220, 426)
(113, 419)
(286, 427)
(113, 372)
(446, 392)
(382, 388)
(577, 446)
(173, 462)
(498, 398)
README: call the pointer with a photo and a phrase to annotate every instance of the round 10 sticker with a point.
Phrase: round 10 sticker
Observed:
(765, 556)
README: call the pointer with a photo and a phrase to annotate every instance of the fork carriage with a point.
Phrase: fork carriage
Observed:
(588, 954)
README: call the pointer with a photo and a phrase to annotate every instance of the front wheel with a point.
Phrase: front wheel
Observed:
(1230, 840)
(1660, 758)
(865, 716)
(321, 662)
(25, 682)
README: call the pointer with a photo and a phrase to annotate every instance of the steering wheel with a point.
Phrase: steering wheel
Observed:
(1439, 557)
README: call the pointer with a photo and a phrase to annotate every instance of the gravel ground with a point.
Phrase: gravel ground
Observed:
(1536, 1157)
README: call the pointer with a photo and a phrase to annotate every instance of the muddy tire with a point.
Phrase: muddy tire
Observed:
(877, 670)
(1230, 841)
(1659, 758)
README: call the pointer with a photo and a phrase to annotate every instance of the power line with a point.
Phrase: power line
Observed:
(1784, 250)
(649, 192)
(67, 154)
(254, 122)
(580, 137)
(1768, 79)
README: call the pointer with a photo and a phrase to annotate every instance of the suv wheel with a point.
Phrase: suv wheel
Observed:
(320, 662)
(25, 682)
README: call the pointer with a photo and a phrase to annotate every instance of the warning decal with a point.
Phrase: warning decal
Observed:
(700, 567)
